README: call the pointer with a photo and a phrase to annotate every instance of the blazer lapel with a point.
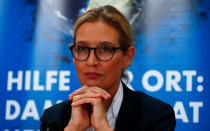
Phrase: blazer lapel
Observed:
(126, 118)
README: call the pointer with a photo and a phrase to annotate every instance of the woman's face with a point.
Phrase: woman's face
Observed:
(93, 72)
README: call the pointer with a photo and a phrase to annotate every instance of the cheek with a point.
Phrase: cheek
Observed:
(79, 67)
(114, 68)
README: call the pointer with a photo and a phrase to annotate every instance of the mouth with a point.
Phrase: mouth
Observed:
(93, 75)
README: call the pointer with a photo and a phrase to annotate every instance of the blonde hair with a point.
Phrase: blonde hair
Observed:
(113, 17)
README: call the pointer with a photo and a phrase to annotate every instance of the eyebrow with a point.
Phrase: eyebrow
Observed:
(101, 43)
(81, 42)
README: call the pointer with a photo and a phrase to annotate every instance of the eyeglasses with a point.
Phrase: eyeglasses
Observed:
(102, 53)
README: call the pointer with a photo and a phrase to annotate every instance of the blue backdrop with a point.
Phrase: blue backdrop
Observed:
(171, 61)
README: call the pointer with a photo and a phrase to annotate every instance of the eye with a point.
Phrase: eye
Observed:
(81, 48)
(106, 49)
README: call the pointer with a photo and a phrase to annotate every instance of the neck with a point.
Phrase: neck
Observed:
(113, 90)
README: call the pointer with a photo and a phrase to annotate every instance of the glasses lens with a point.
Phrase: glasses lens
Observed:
(104, 52)
(80, 52)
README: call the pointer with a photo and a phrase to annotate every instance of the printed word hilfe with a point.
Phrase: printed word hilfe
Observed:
(30, 80)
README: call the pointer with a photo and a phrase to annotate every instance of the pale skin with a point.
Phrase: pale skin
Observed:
(100, 79)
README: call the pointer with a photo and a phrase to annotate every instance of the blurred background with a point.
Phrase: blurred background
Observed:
(171, 62)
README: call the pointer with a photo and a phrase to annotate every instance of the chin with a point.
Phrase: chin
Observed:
(91, 83)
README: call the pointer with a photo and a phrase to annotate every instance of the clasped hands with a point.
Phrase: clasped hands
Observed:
(88, 109)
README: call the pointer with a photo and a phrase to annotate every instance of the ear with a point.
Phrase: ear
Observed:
(128, 57)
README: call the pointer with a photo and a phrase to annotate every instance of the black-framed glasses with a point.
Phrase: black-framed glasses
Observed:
(102, 53)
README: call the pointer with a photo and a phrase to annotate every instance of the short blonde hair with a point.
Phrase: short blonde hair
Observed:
(113, 17)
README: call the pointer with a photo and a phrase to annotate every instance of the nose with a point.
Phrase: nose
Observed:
(92, 60)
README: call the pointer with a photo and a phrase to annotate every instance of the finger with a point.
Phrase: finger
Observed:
(92, 101)
(79, 91)
(94, 89)
(87, 95)
(99, 91)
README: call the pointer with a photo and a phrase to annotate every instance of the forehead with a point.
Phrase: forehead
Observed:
(96, 33)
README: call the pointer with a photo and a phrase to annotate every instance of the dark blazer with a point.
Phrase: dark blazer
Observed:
(138, 112)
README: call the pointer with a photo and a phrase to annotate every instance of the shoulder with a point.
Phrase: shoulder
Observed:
(144, 101)
(58, 110)
(151, 103)
(58, 114)
(150, 113)
(60, 107)
(158, 114)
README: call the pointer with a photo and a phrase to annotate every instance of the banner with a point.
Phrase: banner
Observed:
(171, 61)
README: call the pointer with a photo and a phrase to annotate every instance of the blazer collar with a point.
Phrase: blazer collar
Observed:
(126, 117)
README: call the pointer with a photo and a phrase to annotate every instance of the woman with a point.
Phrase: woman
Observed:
(102, 50)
